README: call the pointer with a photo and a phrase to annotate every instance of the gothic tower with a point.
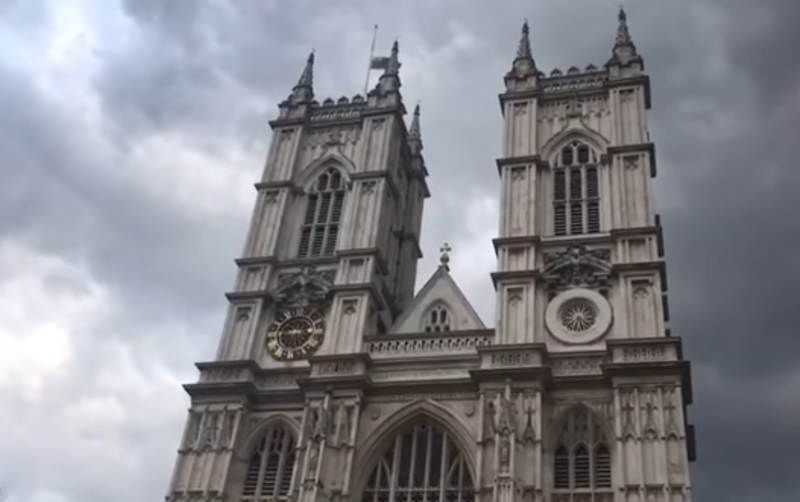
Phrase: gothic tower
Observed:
(334, 382)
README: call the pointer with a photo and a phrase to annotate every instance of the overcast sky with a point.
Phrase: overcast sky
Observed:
(131, 133)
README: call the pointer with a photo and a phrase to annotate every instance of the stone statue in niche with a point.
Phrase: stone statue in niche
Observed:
(505, 452)
(504, 413)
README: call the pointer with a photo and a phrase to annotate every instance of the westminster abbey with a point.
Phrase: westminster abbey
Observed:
(335, 382)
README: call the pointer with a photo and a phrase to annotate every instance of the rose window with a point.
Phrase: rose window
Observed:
(578, 315)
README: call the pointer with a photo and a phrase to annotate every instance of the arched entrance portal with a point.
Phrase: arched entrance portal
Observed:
(421, 463)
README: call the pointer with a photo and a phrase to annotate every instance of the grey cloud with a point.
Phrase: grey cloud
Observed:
(211, 72)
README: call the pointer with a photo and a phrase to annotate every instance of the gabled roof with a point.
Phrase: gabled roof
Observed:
(440, 289)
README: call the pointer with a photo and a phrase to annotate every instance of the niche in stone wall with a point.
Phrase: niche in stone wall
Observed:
(642, 306)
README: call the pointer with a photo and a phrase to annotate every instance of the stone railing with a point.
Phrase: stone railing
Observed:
(570, 83)
(426, 344)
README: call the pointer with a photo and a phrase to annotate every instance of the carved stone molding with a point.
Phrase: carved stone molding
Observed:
(454, 396)
(578, 366)
(418, 374)
(429, 345)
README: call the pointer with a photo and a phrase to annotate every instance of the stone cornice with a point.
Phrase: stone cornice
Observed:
(641, 79)
(514, 276)
(681, 369)
(275, 185)
(535, 159)
(376, 175)
(623, 363)
(286, 263)
(288, 122)
(375, 252)
(422, 334)
(522, 240)
(369, 287)
(648, 148)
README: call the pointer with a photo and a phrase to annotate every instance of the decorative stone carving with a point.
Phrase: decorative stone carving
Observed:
(627, 407)
(585, 329)
(208, 438)
(577, 266)
(336, 368)
(429, 345)
(308, 287)
(515, 358)
(529, 430)
(637, 354)
(271, 196)
(223, 375)
(578, 366)
(271, 381)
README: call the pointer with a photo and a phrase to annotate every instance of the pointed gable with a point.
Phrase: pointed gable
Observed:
(439, 306)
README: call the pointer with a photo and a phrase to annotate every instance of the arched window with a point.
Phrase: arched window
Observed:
(437, 319)
(323, 215)
(582, 460)
(422, 463)
(576, 193)
(269, 470)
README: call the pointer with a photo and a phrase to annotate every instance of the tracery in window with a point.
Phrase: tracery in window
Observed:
(576, 195)
(422, 463)
(269, 470)
(582, 459)
(323, 215)
(437, 319)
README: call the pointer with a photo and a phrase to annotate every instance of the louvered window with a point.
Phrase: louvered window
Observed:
(269, 471)
(582, 460)
(576, 192)
(323, 216)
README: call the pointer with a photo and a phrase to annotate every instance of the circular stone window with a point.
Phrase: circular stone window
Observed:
(578, 316)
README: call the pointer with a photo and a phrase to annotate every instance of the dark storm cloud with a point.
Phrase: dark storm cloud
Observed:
(725, 120)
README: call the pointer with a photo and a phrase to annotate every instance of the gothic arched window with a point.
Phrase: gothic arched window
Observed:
(422, 463)
(269, 470)
(576, 192)
(582, 459)
(323, 215)
(437, 319)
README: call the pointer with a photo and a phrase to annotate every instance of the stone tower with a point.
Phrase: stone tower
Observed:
(334, 382)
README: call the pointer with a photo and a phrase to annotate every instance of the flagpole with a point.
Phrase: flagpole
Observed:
(369, 63)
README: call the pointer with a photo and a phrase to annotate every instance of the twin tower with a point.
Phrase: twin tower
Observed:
(334, 382)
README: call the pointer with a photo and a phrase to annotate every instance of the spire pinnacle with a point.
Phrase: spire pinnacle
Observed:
(623, 34)
(303, 91)
(414, 130)
(307, 77)
(394, 62)
(524, 49)
(524, 65)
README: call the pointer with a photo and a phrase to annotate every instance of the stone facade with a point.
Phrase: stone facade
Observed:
(333, 382)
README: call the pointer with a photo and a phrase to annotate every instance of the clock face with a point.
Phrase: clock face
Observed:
(295, 334)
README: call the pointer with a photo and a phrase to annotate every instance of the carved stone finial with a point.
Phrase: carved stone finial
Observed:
(444, 259)
(304, 89)
(414, 130)
(523, 61)
(624, 48)
(623, 34)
